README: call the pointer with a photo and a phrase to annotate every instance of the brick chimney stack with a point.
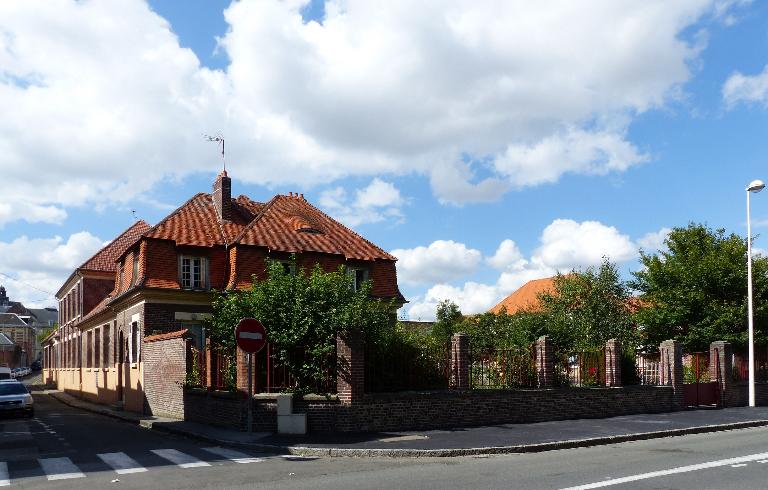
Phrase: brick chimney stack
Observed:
(222, 196)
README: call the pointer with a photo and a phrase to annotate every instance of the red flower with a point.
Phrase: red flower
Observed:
(592, 371)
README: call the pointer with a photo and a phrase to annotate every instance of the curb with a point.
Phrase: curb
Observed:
(418, 453)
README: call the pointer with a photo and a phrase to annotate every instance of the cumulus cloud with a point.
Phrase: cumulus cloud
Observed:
(563, 245)
(32, 267)
(376, 202)
(106, 102)
(566, 243)
(654, 241)
(441, 261)
(746, 88)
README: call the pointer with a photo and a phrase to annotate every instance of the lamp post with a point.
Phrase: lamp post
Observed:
(754, 186)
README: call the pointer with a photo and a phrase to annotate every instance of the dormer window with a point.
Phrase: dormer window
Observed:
(358, 276)
(192, 272)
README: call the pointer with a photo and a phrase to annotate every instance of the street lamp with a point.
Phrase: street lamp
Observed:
(754, 186)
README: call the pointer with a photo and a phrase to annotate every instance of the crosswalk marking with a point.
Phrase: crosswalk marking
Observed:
(121, 463)
(232, 455)
(180, 459)
(60, 468)
(4, 479)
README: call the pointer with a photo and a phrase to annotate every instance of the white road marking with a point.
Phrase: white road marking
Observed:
(60, 468)
(763, 461)
(672, 471)
(180, 459)
(5, 480)
(232, 455)
(121, 463)
(738, 465)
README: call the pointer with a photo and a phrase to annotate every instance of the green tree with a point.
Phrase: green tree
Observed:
(587, 308)
(696, 290)
(447, 320)
(303, 313)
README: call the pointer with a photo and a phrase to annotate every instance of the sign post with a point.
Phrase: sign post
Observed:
(251, 336)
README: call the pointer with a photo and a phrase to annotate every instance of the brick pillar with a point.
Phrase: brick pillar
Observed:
(721, 369)
(671, 369)
(460, 362)
(350, 367)
(242, 370)
(545, 363)
(208, 379)
(613, 363)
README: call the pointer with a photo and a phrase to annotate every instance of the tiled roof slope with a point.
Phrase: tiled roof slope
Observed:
(291, 224)
(104, 259)
(527, 297)
(12, 320)
(196, 222)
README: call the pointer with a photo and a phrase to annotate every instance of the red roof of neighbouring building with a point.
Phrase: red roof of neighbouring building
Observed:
(167, 336)
(527, 297)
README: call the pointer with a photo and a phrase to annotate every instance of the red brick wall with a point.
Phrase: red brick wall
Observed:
(249, 261)
(162, 265)
(95, 290)
(384, 277)
(165, 367)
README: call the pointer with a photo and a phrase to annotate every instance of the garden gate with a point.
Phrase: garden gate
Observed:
(698, 387)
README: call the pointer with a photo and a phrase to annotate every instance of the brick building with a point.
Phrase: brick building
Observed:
(151, 280)
(23, 335)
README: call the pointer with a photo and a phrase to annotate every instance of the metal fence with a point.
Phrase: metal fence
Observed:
(211, 368)
(407, 368)
(503, 368)
(580, 368)
(647, 369)
(273, 375)
(741, 365)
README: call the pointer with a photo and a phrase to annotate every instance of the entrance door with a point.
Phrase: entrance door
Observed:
(698, 389)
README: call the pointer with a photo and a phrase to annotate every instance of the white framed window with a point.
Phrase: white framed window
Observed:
(358, 276)
(193, 272)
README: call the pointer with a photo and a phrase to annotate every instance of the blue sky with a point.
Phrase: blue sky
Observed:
(484, 145)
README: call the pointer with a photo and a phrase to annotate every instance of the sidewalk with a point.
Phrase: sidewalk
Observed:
(508, 438)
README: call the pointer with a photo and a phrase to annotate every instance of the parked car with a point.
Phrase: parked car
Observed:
(25, 371)
(36, 366)
(5, 373)
(15, 398)
(15, 373)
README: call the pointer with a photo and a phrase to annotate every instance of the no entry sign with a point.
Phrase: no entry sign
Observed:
(250, 335)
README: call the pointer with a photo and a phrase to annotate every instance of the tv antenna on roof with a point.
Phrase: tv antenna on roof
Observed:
(218, 139)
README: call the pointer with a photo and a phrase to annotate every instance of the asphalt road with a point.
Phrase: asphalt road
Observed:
(63, 447)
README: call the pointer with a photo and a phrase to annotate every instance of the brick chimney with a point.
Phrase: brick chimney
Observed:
(222, 196)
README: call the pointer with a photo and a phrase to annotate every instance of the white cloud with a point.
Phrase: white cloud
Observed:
(746, 88)
(106, 103)
(564, 245)
(574, 151)
(376, 202)
(32, 213)
(654, 241)
(567, 244)
(42, 264)
(507, 255)
(441, 261)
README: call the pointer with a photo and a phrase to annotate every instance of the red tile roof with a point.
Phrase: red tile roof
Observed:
(196, 223)
(291, 224)
(527, 297)
(167, 336)
(105, 259)
(284, 224)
